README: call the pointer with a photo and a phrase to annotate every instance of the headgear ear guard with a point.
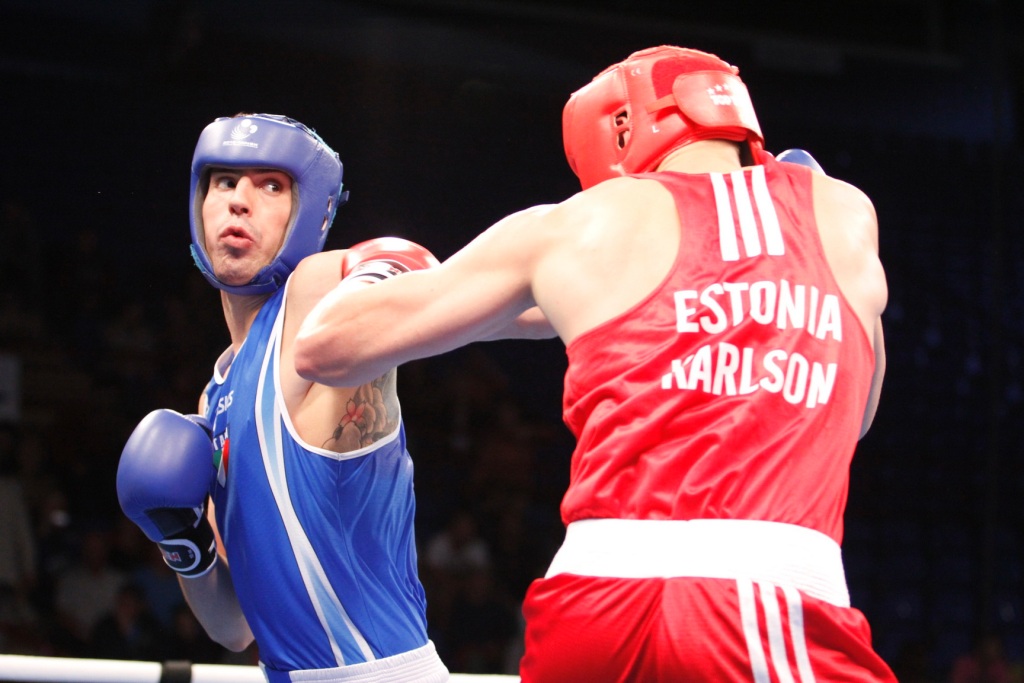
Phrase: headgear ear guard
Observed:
(281, 143)
(634, 113)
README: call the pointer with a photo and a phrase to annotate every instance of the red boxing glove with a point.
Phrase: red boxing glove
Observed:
(383, 257)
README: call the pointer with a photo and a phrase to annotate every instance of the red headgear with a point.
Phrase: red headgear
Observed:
(634, 113)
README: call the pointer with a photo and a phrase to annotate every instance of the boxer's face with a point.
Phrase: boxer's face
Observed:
(245, 215)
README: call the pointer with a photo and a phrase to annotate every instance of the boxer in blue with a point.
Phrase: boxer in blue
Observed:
(286, 506)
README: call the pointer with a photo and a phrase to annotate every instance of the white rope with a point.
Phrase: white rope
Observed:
(69, 670)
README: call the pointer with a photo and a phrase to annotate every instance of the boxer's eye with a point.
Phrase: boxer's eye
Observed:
(223, 181)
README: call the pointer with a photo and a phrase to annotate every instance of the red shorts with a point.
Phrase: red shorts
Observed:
(650, 630)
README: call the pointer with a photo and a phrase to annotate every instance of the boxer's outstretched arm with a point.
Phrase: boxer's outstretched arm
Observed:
(531, 324)
(482, 292)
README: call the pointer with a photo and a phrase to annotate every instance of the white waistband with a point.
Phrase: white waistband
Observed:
(783, 554)
(421, 665)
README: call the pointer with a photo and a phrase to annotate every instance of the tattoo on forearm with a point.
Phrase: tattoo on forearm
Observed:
(370, 414)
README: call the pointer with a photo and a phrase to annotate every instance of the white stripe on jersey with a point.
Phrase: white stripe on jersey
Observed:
(748, 224)
(776, 639)
(325, 601)
(796, 631)
(726, 227)
(749, 214)
(748, 616)
(766, 210)
(775, 634)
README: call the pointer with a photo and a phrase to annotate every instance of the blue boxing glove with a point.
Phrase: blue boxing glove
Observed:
(802, 157)
(162, 482)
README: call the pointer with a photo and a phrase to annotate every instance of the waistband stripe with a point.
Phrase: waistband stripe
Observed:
(771, 552)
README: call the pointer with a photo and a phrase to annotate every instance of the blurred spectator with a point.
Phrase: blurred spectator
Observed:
(86, 591)
(985, 663)
(143, 565)
(471, 391)
(17, 543)
(54, 543)
(35, 469)
(188, 641)
(912, 664)
(503, 463)
(131, 358)
(450, 555)
(19, 322)
(129, 630)
(159, 584)
(458, 547)
(22, 247)
(521, 551)
(482, 627)
(86, 328)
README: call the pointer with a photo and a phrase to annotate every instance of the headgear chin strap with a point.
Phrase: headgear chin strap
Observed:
(281, 143)
(634, 113)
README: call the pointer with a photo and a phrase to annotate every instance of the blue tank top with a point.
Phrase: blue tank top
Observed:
(321, 545)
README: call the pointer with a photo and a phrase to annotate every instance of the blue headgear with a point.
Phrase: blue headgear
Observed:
(281, 143)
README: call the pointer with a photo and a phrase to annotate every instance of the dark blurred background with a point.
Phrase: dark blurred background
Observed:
(447, 117)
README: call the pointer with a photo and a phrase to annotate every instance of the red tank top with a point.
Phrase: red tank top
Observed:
(734, 390)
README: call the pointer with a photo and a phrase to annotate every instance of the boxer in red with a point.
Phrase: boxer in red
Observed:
(721, 312)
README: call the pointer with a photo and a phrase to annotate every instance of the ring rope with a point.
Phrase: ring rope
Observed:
(33, 669)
